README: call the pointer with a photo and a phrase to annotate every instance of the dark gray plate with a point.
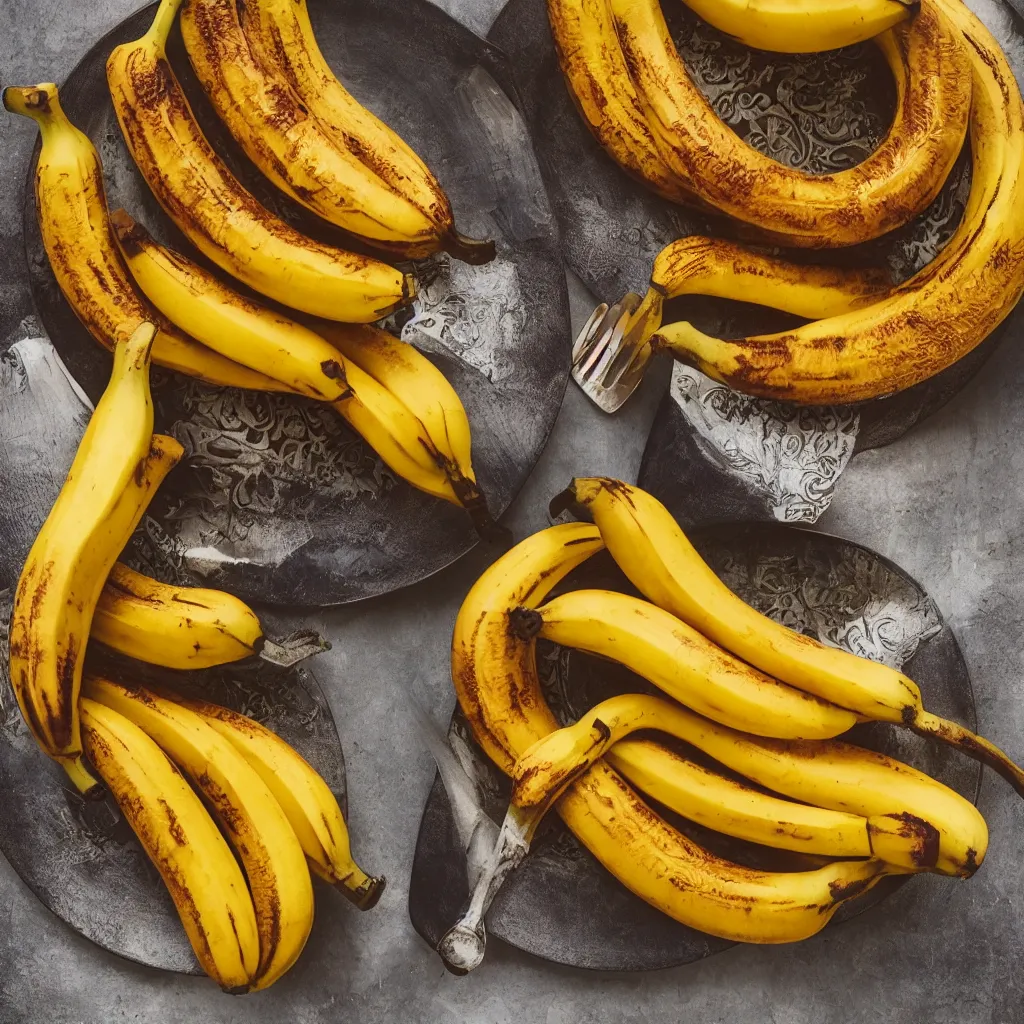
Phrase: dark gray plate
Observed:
(279, 501)
(81, 858)
(561, 904)
(820, 112)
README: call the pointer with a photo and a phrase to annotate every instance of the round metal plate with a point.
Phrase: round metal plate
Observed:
(561, 904)
(278, 500)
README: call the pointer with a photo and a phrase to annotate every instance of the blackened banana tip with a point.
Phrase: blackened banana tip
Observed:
(474, 251)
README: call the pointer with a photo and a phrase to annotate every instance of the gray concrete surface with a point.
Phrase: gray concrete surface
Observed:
(943, 503)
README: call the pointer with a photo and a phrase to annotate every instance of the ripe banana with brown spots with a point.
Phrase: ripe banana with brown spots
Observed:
(885, 191)
(255, 824)
(656, 555)
(183, 842)
(304, 796)
(332, 166)
(495, 677)
(682, 662)
(177, 627)
(932, 320)
(118, 464)
(72, 208)
(217, 214)
(855, 802)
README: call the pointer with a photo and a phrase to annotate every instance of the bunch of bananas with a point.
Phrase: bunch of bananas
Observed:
(764, 702)
(276, 812)
(269, 82)
(248, 921)
(952, 79)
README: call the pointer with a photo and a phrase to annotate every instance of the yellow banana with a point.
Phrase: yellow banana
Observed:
(227, 321)
(177, 627)
(803, 26)
(217, 214)
(255, 824)
(930, 321)
(887, 190)
(737, 809)
(595, 72)
(90, 522)
(860, 803)
(424, 390)
(834, 775)
(281, 40)
(495, 677)
(286, 350)
(663, 565)
(72, 208)
(682, 662)
(712, 266)
(181, 839)
(287, 143)
(305, 798)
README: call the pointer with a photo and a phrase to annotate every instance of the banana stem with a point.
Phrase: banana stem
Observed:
(365, 893)
(292, 649)
(84, 781)
(473, 251)
(463, 946)
(927, 724)
(472, 499)
(160, 31)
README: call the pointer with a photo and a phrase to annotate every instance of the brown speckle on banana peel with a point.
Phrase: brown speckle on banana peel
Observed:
(72, 210)
(206, 201)
(698, 266)
(885, 191)
(495, 677)
(930, 321)
(292, 148)
(599, 84)
(281, 38)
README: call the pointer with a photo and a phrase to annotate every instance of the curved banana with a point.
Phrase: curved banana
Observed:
(72, 207)
(598, 81)
(284, 349)
(288, 144)
(281, 40)
(887, 190)
(783, 26)
(659, 560)
(495, 677)
(305, 798)
(930, 321)
(423, 389)
(255, 824)
(712, 266)
(840, 777)
(893, 811)
(181, 839)
(216, 213)
(681, 662)
(177, 627)
(90, 522)
(737, 809)
(227, 321)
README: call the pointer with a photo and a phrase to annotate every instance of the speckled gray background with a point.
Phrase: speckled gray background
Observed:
(944, 503)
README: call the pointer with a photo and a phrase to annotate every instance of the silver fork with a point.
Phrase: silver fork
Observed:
(608, 361)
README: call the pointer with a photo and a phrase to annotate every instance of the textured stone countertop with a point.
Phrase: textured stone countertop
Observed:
(944, 503)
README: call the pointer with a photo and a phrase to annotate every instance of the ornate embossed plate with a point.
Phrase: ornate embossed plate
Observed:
(81, 858)
(278, 500)
(561, 904)
(820, 112)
